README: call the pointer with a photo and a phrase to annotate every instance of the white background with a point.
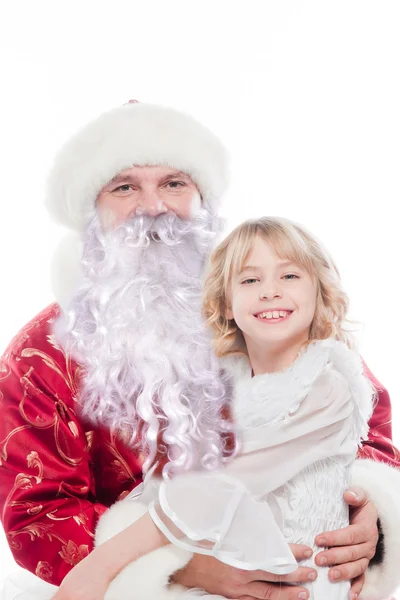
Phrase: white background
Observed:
(305, 94)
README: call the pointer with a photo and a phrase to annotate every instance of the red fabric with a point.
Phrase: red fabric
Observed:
(380, 445)
(59, 473)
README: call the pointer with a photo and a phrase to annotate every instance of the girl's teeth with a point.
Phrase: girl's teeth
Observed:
(275, 314)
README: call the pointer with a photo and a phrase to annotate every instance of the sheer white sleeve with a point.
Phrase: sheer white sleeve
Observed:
(213, 514)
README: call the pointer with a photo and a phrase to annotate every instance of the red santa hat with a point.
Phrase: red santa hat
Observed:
(134, 134)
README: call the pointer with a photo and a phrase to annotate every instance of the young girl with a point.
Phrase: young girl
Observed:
(301, 406)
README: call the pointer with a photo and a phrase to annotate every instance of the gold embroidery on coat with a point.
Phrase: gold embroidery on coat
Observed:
(73, 554)
(49, 362)
(5, 368)
(3, 443)
(120, 465)
(68, 459)
(89, 439)
(44, 570)
(31, 508)
(73, 428)
(25, 481)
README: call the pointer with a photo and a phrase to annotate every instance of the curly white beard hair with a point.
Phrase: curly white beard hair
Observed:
(135, 325)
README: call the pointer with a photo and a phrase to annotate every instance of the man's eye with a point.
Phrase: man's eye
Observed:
(123, 188)
(176, 184)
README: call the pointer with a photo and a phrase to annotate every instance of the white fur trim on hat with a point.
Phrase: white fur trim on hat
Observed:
(382, 484)
(134, 134)
(148, 577)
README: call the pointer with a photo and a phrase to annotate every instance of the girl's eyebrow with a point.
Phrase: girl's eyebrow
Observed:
(282, 263)
(287, 263)
(250, 268)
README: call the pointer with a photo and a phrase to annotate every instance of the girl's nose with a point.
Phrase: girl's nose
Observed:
(269, 292)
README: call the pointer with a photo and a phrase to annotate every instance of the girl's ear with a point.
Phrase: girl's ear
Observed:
(229, 313)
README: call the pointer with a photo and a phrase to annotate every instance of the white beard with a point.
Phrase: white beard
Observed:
(135, 325)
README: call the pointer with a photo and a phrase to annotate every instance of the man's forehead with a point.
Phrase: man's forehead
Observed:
(148, 172)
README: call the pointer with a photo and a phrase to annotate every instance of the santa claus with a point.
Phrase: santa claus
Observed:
(95, 390)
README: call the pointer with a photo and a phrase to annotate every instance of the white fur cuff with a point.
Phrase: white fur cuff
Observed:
(382, 484)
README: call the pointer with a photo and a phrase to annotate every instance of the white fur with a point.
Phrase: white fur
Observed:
(66, 271)
(133, 134)
(382, 484)
(148, 577)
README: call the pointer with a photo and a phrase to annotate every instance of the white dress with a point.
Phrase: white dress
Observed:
(299, 430)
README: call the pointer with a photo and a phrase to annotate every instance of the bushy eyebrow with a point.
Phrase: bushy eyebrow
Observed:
(176, 175)
(120, 177)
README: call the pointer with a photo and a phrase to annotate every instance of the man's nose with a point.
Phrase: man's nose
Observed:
(150, 203)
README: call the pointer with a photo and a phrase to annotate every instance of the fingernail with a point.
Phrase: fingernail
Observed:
(336, 574)
(354, 596)
(303, 596)
(323, 560)
(355, 496)
(308, 553)
(321, 541)
(312, 576)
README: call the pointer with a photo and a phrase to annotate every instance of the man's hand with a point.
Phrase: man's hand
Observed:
(351, 548)
(216, 577)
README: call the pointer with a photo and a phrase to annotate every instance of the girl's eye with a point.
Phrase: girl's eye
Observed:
(249, 281)
(291, 276)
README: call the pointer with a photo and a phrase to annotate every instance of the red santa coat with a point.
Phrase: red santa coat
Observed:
(58, 473)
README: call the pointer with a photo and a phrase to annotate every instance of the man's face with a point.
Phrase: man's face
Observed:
(135, 323)
(148, 191)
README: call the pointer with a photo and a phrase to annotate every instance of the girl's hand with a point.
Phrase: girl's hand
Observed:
(86, 581)
(90, 578)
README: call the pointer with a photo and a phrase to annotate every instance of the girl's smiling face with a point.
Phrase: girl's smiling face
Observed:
(273, 300)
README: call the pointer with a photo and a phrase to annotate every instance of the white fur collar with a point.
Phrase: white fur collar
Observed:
(263, 399)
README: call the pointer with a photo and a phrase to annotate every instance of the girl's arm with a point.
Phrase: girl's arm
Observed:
(90, 579)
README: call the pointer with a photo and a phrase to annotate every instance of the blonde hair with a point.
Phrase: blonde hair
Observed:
(290, 241)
